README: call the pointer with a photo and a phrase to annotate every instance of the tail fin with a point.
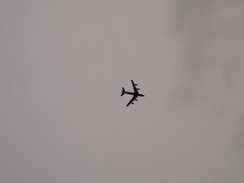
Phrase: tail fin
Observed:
(123, 92)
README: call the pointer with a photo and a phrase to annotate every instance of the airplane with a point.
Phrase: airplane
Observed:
(135, 93)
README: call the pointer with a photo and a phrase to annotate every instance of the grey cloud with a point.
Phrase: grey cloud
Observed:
(211, 37)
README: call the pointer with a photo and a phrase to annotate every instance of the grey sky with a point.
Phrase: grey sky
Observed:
(62, 66)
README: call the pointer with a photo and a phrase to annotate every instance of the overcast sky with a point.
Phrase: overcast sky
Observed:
(62, 66)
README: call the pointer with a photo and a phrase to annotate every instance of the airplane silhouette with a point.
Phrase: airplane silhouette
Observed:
(135, 93)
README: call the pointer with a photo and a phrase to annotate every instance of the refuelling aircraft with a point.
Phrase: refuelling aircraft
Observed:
(135, 93)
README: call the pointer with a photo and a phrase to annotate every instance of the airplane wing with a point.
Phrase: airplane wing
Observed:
(134, 86)
(131, 101)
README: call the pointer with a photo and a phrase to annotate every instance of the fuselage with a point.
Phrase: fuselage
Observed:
(135, 94)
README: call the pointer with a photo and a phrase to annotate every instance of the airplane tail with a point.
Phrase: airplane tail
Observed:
(123, 92)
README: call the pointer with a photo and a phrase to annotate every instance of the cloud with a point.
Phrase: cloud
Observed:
(210, 35)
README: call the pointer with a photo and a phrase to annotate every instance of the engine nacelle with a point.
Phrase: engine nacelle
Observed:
(132, 103)
(138, 88)
(135, 99)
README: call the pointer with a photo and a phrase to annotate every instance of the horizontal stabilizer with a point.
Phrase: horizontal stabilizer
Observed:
(123, 92)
